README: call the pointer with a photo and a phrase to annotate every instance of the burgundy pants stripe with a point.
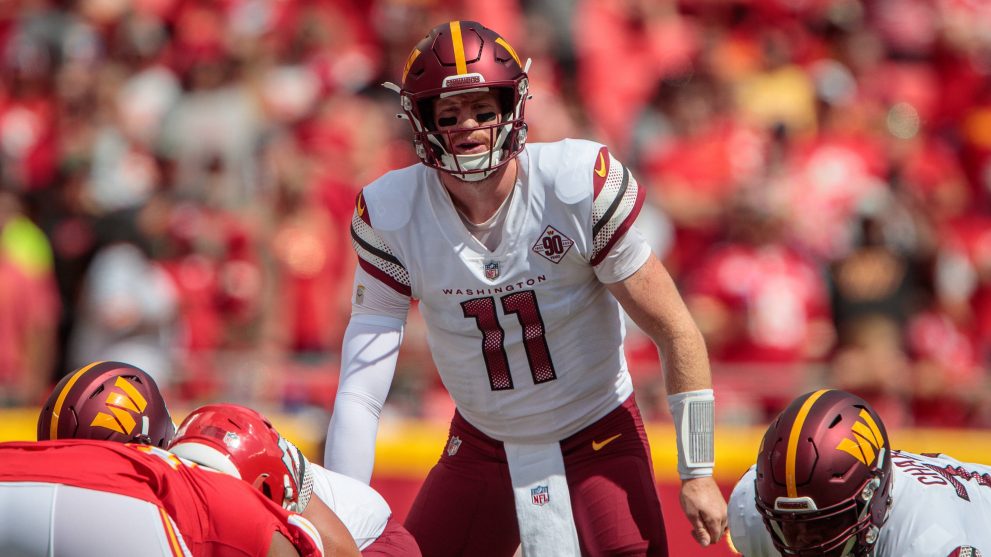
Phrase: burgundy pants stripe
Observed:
(466, 507)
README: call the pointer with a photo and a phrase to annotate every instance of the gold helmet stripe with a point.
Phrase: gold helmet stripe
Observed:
(409, 63)
(53, 427)
(796, 433)
(459, 48)
(509, 49)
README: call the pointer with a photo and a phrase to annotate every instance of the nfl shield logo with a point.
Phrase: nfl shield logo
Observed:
(540, 495)
(491, 270)
(453, 445)
(232, 440)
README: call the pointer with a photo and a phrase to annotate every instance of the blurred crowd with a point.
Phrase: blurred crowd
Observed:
(177, 178)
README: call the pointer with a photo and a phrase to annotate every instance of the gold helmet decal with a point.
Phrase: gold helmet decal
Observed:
(867, 440)
(122, 403)
(409, 63)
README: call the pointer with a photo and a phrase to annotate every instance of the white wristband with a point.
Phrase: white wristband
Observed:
(693, 426)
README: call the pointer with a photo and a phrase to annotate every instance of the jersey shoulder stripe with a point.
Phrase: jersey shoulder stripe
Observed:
(617, 201)
(374, 254)
(306, 538)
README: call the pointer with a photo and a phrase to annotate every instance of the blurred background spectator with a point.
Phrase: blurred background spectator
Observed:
(177, 178)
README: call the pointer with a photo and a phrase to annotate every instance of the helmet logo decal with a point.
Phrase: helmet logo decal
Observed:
(122, 404)
(500, 41)
(409, 63)
(867, 440)
(53, 427)
(796, 433)
(459, 48)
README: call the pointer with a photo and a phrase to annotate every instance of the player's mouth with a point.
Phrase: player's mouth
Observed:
(469, 147)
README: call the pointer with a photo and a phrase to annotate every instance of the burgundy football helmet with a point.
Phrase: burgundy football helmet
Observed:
(461, 57)
(824, 476)
(242, 443)
(110, 401)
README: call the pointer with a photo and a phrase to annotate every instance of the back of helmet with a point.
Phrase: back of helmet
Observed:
(111, 401)
(241, 442)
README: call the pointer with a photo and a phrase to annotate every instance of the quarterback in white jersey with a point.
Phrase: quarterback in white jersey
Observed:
(534, 309)
(888, 503)
(521, 257)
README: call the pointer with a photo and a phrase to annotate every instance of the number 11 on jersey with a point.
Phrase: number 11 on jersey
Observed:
(524, 305)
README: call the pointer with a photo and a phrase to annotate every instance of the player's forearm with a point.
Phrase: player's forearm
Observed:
(350, 448)
(686, 362)
(651, 298)
(368, 362)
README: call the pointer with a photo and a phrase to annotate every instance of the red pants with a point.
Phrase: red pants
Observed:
(466, 506)
(394, 541)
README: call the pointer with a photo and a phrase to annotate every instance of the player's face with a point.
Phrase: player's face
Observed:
(466, 113)
(820, 532)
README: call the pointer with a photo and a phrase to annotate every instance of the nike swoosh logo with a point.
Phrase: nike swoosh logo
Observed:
(361, 207)
(597, 445)
(601, 171)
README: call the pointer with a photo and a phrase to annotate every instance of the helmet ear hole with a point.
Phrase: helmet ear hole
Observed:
(263, 486)
(426, 108)
(73, 426)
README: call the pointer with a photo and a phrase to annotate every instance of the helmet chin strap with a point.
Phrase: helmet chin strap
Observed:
(471, 162)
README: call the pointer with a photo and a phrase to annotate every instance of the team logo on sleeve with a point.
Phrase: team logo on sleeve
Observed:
(540, 495)
(553, 245)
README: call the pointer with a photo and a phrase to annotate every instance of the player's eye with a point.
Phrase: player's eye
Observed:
(486, 116)
(447, 121)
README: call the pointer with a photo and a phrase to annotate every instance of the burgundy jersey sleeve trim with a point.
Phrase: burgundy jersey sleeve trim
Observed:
(615, 208)
(374, 254)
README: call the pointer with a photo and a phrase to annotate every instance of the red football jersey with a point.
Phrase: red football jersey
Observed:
(216, 514)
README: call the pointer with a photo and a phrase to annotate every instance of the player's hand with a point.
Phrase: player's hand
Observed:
(705, 508)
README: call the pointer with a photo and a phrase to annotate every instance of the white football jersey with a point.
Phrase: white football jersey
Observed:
(526, 338)
(746, 527)
(362, 510)
(941, 507)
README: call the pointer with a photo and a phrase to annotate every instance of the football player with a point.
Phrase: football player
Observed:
(83, 498)
(116, 401)
(241, 442)
(828, 483)
(522, 257)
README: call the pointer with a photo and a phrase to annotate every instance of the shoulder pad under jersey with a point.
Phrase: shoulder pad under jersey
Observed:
(389, 199)
(578, 170)
(567, 167)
